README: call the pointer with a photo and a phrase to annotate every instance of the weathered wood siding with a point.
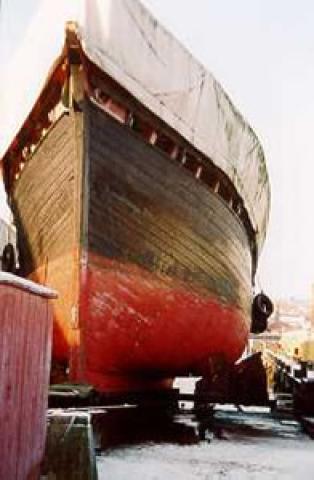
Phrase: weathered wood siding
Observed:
(144, 209)
(25, 352)
(46, 205)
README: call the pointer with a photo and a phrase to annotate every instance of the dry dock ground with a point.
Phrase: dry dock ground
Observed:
(238, 446)
(249, 445)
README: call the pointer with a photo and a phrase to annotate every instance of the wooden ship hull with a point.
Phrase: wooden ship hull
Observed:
(147, 241)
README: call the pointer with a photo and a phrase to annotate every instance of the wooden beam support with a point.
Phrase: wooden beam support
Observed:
(175, 152)
(217, 186)
(153, 137)
(198, 172)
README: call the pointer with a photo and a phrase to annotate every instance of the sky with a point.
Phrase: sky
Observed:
(262, 52)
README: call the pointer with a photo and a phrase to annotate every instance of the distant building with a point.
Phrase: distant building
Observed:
(312, 307)
(290, 315)
(289, 330)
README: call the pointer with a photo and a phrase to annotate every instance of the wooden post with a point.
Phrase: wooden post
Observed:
(70, 452)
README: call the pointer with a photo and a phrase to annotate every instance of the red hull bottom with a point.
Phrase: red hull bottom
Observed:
(139, 331)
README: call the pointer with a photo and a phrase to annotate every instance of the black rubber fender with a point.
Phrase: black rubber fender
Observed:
(263, 304)
(262, 308)
(8, 260)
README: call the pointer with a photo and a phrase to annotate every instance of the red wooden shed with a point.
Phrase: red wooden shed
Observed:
(25, 355)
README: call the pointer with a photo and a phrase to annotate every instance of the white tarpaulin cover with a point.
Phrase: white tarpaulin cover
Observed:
(125, 41)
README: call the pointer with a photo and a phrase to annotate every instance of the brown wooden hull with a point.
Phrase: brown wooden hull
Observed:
(153, 268)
